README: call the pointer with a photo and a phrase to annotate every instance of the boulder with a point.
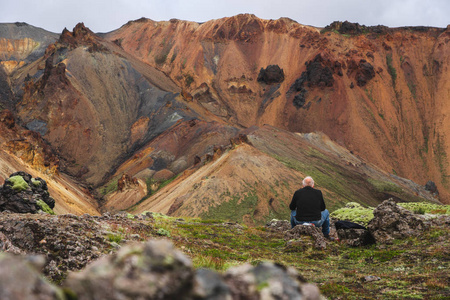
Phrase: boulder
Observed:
(23, 194)
(270, 75)
(278, 225)
(309, 230)
(394, 222)
(154, 270)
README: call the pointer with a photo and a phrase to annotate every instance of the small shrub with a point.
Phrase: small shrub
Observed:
(114, 238)
(163, 232)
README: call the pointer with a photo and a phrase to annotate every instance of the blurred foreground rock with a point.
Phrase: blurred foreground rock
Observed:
(156, 270)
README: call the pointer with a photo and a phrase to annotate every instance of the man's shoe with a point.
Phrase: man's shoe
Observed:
(330, 238)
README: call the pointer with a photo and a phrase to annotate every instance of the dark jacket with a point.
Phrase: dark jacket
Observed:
(309, 203)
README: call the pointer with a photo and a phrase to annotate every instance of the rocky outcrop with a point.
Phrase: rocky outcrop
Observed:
(270, 75)
(23, 194)
(393, 222)
(308, 230)
(355, 29)
(68, 242)
(278, 225)
(319, 73)
(155, 270)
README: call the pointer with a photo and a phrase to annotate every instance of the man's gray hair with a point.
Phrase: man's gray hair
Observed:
(308, 181)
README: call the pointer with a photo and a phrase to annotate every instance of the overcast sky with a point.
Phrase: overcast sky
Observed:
(108, 15)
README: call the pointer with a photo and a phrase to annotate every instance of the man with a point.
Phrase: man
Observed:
(308, 206)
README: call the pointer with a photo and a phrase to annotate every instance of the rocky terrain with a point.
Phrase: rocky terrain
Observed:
(124, 256)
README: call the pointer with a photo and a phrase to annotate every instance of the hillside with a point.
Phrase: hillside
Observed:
(192, 119)
(380, 92)
(252, 181)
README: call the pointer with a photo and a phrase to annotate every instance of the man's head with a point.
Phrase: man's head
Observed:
(308, 181)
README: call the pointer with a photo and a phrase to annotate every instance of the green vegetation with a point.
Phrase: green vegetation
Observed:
(19, 184)
(385, 187)
(110, 187)
(234, 209)
(354, 212)
(391, 70)
(426, 208)
(415, 267)
(35, 182)
(163, 232)
(44, 207)
(114, 238)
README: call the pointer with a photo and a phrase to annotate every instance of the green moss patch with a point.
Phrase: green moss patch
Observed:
(354, 212)
(44, 207)
(426, 208)
(35, 182)
(19, 184)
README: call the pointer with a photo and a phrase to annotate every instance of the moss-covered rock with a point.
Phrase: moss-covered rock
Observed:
(19, 184)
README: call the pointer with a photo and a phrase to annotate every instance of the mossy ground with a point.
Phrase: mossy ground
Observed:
(412, 268)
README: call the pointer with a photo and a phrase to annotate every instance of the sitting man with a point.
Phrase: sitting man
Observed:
(308, 206)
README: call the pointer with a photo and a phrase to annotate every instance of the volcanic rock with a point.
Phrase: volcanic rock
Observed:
(270, 75)
(23, 194)
(394, 222)
(431, 186)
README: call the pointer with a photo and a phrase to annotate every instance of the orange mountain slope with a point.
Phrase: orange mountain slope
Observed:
(380, 92)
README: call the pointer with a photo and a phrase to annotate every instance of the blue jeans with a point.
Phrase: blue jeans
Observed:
(324, 222)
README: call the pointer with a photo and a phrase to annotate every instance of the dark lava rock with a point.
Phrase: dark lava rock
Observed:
(318, 74)
(355, 29)
(23, 194)
(365, 73)
(300, 99)
(394, 222)
(270, 75)
(431, 186)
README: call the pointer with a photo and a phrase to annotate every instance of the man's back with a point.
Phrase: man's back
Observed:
(309, 203)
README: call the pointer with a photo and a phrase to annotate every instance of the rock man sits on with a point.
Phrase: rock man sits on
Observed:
(308, 207)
